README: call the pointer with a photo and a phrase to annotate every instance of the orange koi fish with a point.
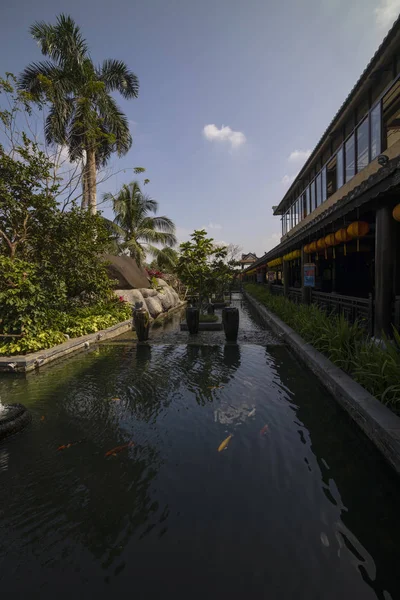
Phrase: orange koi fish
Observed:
(264, 430)
(42, 418)
(115, 399)
(65, 446)
(118, 449)
(225, 443)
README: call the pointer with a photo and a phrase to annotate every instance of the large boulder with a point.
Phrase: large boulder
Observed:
(162, 283)
(131, 296)
(153, 306)
(126, 271)
(175, 297)
(150, 293)
(166, 299)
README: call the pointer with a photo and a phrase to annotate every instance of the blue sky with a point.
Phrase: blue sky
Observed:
(272, 74)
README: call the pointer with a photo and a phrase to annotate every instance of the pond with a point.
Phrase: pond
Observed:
(298, 505)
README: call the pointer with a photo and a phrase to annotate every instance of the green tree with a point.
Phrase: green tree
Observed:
(135, 229)
(83, 114)
(27, 203)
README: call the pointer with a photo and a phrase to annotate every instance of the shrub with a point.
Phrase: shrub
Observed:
(375, 366)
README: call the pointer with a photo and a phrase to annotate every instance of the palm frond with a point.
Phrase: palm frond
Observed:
(151, 236)
(62, 42)
(117, 77)
(115, 123)
(161, 223)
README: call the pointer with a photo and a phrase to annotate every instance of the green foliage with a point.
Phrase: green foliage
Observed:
(134, 229)
(208, 318)
(26, 294)
(202, 266)
(375, 366)
(79, 321)
(72, 249)
(26, 200)
(83, 113)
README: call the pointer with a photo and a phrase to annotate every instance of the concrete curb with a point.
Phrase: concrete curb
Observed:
(379, 423)
(28, 362)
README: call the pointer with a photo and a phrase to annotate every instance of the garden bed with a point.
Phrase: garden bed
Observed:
(375, 366)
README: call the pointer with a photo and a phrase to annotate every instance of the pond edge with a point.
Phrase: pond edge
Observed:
(29, 362)
(377, 421)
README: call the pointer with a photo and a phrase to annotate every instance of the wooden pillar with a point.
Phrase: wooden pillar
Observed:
(306, 291)
(385, 249)
(286, 278)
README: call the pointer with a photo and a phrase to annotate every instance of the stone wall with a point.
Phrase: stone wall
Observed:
(157, 301)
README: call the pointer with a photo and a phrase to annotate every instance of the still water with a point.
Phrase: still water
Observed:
(306, 510)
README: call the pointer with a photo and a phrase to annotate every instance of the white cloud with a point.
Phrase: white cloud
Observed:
(386, 13)
(287, 180)
(214, 226)
(299, 156)
(225, 134)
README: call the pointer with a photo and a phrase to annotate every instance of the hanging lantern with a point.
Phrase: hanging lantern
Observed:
(321, 245)
(341, 236)
(312, 247)
(396, 212)
(305, 249)
(331, 241)
(358, 229)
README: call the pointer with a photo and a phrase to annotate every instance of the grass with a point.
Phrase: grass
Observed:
(374, 366)
(208, 318)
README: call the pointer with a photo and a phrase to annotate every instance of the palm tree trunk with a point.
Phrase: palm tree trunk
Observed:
(85, 202)
(91, 179)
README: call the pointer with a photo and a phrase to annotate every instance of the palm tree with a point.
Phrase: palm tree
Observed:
(83, 115)
(134, 228)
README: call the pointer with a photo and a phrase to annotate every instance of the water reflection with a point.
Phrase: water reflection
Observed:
(307, 510)
(367, 522)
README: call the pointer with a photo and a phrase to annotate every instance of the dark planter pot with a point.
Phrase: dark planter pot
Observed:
(230, 320)
(192, 319)
(141, 322)
(210, 309)
(13, 419)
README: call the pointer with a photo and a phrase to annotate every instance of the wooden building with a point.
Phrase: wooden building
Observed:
(342, 212)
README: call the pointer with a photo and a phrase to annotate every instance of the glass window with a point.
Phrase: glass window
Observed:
(299, 209)
(339, 168)
(323, 183)
(313, 205)
(308, 209)
(319, 189)
(362, 145)
(287, 221)
(304, 205)
(350, 158)
(375, 131)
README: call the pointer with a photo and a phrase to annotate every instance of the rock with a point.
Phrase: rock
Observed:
(127, 273)
(153, 306)
(175, 297)
(166, 299)
(162, 283)
(150, 293)
(131, 296)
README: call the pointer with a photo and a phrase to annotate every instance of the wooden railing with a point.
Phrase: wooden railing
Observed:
(353, 309)
(295, 295)
(277, 290)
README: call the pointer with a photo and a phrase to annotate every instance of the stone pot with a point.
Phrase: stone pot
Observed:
(230, 321)
(142, 324)
(193, 319)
